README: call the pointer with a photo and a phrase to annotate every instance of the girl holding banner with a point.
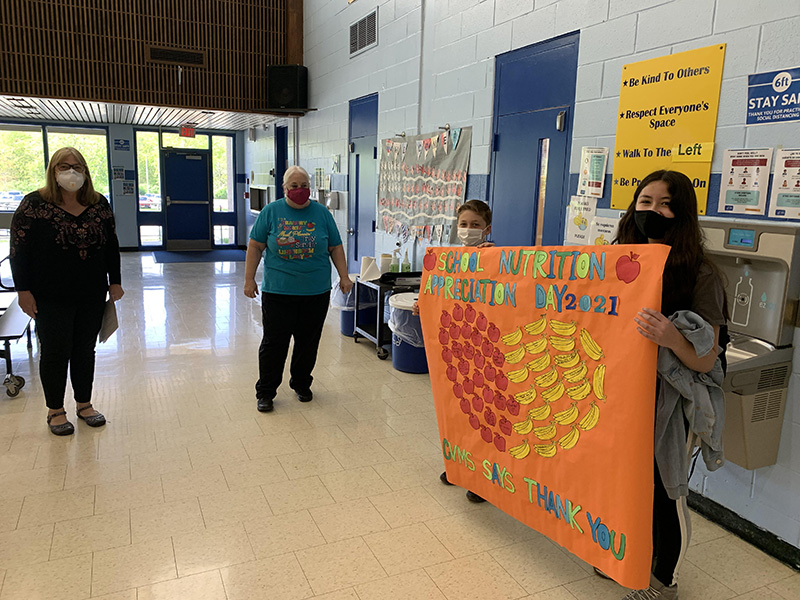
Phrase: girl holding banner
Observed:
(664, 211)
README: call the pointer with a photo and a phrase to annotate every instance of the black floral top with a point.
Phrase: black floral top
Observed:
(55, 254)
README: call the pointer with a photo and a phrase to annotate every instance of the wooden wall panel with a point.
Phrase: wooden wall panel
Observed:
(97, 50)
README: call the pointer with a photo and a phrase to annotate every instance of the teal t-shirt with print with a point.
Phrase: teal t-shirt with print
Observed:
(297, 260)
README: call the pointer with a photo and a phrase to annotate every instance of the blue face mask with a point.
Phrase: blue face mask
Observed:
(651, 224)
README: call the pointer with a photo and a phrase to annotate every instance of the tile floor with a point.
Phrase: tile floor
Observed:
(189, 492)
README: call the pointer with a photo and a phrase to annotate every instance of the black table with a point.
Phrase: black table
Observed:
(377, 332)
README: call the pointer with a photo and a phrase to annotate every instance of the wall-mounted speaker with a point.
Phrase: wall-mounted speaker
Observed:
(287, 86)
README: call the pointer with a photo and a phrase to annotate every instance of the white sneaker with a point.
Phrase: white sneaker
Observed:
(655, 591)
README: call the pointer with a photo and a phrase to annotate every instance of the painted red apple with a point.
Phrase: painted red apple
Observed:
(451, 373)
(513, 407)
(481, 321)
(505, 425)
(468, 385)
(499, 442)
(486, 434)
(429, 261)
(628, 268)
(500, 401)
(474, 422)
(488, 395)
(444, 337)
(444, 319)
(457, 350)
(469, 351)
(477, 403)
(465, 406)
(487, 348)
(455, 331)
(447, 354)
(479, 360)
(489, 417)
(493, 332)
(466, 331)
(477, 378)
(458, 312)
(501, 381)
(458, 391)
(476, 337)
(489, 373)
(497, 358)
(463, 366)
(469, 313)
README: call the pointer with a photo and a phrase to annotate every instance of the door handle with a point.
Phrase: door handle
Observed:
(351, 231)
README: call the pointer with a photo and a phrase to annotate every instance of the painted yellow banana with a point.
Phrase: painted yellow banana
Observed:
(553, 393)
(526, 397)
(592, 349)
(518, 375)
(537, 326)
(569, 440)
(598, 382)
(520, 451)
(545, 432)
(567, 360)
(523, 427)
(576, 374)
(545, 450)
(513, 338)
(580, 391)
(562, 344)
(565, 417)
(541, 363)
(515, 356)
(537, 346)
(540, 413)
(547, 378)
(590, 419)
(563, 328)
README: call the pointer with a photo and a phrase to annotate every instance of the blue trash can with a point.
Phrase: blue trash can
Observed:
(408, 349)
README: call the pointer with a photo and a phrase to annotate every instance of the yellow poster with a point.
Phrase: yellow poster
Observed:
(667, 120)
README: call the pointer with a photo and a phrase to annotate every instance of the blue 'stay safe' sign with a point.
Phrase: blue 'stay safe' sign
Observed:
(773, 96)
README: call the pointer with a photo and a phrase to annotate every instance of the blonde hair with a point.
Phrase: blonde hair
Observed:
(51, 192)
(293, 170)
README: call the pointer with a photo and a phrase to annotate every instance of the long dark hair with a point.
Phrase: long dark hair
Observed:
(684, 237)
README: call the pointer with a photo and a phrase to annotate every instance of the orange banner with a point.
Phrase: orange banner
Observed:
(545, 392)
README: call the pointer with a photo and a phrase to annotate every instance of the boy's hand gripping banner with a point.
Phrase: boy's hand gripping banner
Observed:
(545, 391)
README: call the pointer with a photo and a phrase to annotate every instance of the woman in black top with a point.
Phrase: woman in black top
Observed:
(65, 259)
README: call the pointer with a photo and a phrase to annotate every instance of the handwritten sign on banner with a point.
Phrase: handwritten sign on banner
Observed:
(545, 392)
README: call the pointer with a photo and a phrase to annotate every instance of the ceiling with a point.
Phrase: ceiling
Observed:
(24, 109)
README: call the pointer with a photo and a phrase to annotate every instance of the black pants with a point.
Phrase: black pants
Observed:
(671, 532)
(67, 333)
(286, 317)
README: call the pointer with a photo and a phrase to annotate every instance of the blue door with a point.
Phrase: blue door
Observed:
(187, 199)
(533, 107)
(363, 180)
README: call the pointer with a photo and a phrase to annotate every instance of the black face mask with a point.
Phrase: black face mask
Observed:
(651, 224)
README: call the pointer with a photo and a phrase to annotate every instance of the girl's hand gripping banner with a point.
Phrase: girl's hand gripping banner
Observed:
(545, 392)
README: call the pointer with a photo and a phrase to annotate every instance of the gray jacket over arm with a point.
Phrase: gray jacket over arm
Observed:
(696, 396)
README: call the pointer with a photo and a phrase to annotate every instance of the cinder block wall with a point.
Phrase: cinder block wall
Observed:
(435, 64)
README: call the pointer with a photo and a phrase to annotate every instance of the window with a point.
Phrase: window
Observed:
(148, 171)
(223, 176)
(22, 167)
(173, 140)
(224, 235)
(150, 235)
(92, 143)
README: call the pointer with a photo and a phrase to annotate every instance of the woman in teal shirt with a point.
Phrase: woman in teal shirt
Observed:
(298, 239)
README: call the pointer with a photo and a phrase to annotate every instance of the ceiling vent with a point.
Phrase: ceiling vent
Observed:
(176, 56)
(364, 34)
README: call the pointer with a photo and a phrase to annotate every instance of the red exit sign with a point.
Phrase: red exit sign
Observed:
(187, 131)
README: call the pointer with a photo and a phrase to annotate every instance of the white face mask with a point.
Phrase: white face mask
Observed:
(470, 237)
(70, 180)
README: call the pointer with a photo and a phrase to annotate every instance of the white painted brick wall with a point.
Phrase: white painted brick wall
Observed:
(607, 40)
(572, 15)
(675, 22)
(508, 10)
(534, 27)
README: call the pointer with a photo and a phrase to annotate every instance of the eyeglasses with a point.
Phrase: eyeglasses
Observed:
(66, 167)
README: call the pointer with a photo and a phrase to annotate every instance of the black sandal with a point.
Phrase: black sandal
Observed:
(62, 429)
(97, 420)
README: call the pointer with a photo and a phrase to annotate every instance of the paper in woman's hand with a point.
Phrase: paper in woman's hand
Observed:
(110, 323)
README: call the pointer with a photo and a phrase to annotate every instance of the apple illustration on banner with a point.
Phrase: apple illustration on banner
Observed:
(429, 262)
(481, 322)
(628, 268)
(486, 434)
(474, 422)
(469, 313)
(489, 372)
(457, 350)
(458, 312)
(488, 395)
(455, 331)
(445, 319)
(493, 332)
(444, 337)
(479, 360)
(466, 331)
(499, 442)
(477, 403)
(465, 406)
(469, 351)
